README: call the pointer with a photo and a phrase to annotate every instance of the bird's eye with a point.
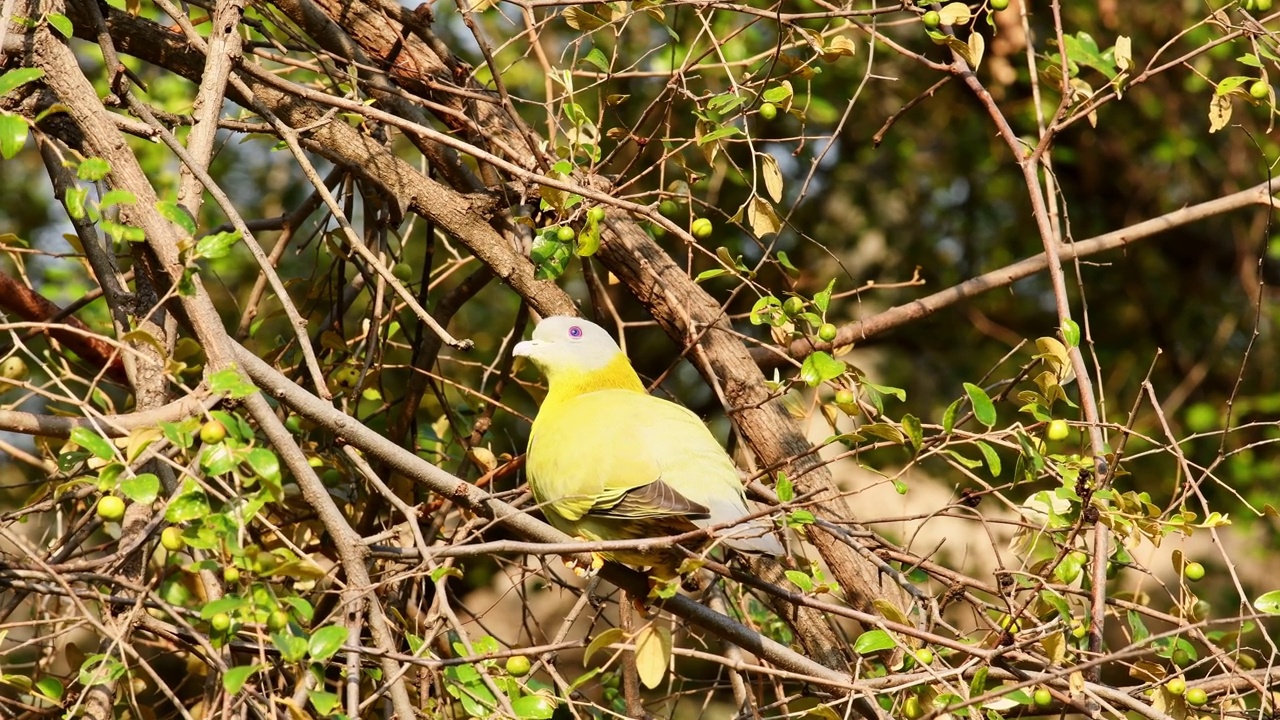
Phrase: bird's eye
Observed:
(575, 331)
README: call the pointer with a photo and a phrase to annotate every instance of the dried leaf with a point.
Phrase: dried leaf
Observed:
(956, 13)
(1219, 112)
(976, 47)
(653, 653)
(763, 219)
(840, 46)
(772, 177)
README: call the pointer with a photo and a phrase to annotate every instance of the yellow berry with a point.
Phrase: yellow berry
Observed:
(1043, 697)
(1058, 430)
(701, 228)
(1197, 697)
(931, 19)
(768, 111)
(213, 432)
(110, 507)
(220, 622)
(1176, 686)
(518, 665)
(171, 539)
(1193, 571)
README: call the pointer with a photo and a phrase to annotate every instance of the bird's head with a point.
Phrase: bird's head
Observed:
(576, 350)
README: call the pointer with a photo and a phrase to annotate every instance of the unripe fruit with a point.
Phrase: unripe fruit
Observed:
(911, 708)
(669, 208)
(402, 272)
(171, 539)
(924, 656)
(999, 4)
(231, 574)
(277, 620)
(793, 306)
(1176, 686)
(213, 432)
(1259, 90)
(518, 665)
(1181, 658)
(844, 396)
(931, 19)
(220, 622)
(110, 507)
(345, 377)
(1079, 631)
(827, 332)
(701, 228)
(768, 111)
(13, 368)
(1197, 697)
(1193, 571)
(1058, 430)
(564, 234)
(595, 214)
(1043, 697)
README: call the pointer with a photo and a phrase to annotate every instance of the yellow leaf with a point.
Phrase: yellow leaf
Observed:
(653, 653)
(956, 13)
(763, 219)
(604, 639)
(772, 177)
(1124, 53)
(976, 47)
(580, 19)
(1219, 112)
(139, 439)
(840, 46)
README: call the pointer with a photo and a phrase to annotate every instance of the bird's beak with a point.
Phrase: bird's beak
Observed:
(525, 348)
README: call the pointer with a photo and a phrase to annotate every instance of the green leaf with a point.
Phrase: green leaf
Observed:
(218, 459)
(1249, 59)
(13, 134)
(823, 299)
(915, 431)
(266, 466)
(719, 133)
(787, 265)
(234, 678)
(292, 648)
(17, 78)
(99, 670)
(597, 58)
(141, 489)
(93, 442)
(779, 94)
(1082, 48)
(550, 256)
(324, 702)
(50, 687)
(820, 367)
(874, 641)
(230, 383)
(116, 197)
(178, 215)
(800, 580)
(534, 707)
(228, 604)
(190, 504)
(93, 169)
(1137, 627)
(1227, 84)
(983, 409)
(1071, 332)
(326, 642)
(786, 492)
(62, 24)
(214, 247)
(949, 416)
(1268, 603)
(993, 460)
(712, 273)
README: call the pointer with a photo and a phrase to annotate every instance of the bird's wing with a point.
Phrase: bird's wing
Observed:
(586, 456)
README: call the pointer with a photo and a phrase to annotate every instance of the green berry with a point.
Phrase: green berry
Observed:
(345, 377)
(1193, 571)
(768, 111)
(1262, 5)
(402, 272)
(213, 432)
(793, 306)
(1058, 430)
(171, 539)
(1176, 686)
(1043, 697)
(932, 19)
(999, 4)
(110, 508)
(518, 665)
(293, 424)
(844, 396)
(231, 574)
(220, 622)
(701, 228)
(595, 214)
(827, 332)
(924, 656)
(564, 234)
(911, 708)
(1197, 697)
(670, 208)
(1079, 631)
(1181, 658)
(277, 620)
(1259, 90)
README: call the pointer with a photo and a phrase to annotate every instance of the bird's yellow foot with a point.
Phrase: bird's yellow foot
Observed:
(584, 570)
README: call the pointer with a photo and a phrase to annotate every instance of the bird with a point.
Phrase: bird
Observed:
(608, 461)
